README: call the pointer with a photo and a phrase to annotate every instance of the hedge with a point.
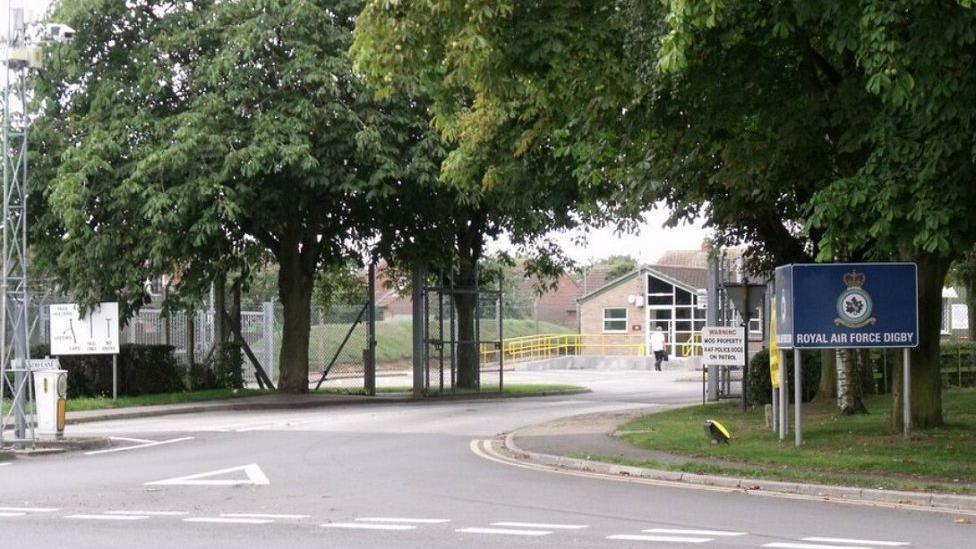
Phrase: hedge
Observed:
(760, 386)
(142, 369)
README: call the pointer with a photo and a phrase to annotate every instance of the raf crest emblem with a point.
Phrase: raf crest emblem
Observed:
(854, 305)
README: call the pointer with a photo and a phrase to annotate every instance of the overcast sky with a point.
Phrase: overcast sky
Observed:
(646, 244)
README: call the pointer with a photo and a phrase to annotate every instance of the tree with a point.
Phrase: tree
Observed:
(811, 129)
(500, 185)
(206, 134)
(617, 266)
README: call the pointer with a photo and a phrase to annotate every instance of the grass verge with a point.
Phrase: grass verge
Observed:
(84, 404)
(841, 450)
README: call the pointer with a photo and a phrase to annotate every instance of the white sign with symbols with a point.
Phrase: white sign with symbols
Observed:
(97, 333)
(723, 346)
(960, 316)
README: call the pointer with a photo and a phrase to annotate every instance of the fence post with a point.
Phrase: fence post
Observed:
(267, 336)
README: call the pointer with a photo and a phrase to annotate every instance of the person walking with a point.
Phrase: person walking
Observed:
(657, 345)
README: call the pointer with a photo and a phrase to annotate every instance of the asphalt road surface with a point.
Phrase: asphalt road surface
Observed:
(405, 475)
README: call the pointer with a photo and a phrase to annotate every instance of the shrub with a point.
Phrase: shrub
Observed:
(230, 367)
(142, 369)
(759, 386)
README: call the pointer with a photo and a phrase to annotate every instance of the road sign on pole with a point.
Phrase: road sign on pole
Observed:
(96, 333)
(846, 306)
(723, 346)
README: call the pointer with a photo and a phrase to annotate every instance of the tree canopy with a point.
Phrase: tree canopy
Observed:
(205, 134)
(804, 128)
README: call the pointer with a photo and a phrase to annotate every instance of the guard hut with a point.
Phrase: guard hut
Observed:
(844, 306)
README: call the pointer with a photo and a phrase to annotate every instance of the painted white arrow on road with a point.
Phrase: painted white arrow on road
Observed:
(255, 476)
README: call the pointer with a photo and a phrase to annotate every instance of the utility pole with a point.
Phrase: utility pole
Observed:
(14, 326)
(21, 56)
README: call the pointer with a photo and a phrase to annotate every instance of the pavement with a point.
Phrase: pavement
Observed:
(411, 474)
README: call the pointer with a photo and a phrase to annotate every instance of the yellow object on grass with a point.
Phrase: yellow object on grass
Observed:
(773, 347)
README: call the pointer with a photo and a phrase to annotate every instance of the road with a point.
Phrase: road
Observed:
(405, 475)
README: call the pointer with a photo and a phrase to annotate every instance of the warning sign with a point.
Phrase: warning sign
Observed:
(723, 346)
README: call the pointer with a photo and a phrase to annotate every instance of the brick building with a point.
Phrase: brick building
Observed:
(618, 317)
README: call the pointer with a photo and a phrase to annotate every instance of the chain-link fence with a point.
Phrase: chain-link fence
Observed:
(446, 346)
(337, 345)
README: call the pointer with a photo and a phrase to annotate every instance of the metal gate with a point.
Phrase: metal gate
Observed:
(443, 344)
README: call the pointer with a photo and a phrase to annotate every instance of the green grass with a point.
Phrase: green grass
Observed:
(393, 339)
(513, 390)
(102, 403)
(850, 450)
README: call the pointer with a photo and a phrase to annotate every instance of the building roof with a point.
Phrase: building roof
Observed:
(687, 278)
(697, 259)
(696, 278)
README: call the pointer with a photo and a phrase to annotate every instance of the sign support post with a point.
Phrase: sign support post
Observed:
(797, 398)
(784, 401)
(907, 392)
(115, 377)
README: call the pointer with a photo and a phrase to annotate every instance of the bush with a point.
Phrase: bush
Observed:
(759, 386)
(220, 372)
(142, 369)
(230, 367)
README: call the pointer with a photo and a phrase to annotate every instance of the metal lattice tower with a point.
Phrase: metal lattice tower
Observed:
(14, 322)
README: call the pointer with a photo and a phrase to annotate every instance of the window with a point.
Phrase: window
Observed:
(615, 320)
(755, 322)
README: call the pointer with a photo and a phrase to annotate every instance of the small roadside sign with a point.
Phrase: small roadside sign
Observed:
(723, 346)
(96, 333)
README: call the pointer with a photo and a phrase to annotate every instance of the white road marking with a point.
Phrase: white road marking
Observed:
(791, 545)
(404, 520)
(30, 509)
(364, 526)
(149, 513)
(150, 444)
(541, 525)
(8, 515)
(262, 516)
(718, 533)
(860, 541)
(136, 440)
(218, 520)
(107, 517)
(254, 475)
(504, 531)
(661, 539)
(4, 463)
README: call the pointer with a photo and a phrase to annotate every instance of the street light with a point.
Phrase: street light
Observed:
(23, 54)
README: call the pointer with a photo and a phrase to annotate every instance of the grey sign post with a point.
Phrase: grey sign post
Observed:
(845, 306)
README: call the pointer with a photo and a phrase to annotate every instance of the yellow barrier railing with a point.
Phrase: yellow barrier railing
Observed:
(543, 346)
(692, 347)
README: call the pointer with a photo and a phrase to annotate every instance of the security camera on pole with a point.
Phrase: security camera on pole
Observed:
(22, 55)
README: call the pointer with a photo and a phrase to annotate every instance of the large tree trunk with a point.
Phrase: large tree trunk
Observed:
(469, 245)
(849, 395)
(926, 389)
(828, 376)
(469, 369)
(295, 289)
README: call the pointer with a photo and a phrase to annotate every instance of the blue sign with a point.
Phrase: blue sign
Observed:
(847, 305)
